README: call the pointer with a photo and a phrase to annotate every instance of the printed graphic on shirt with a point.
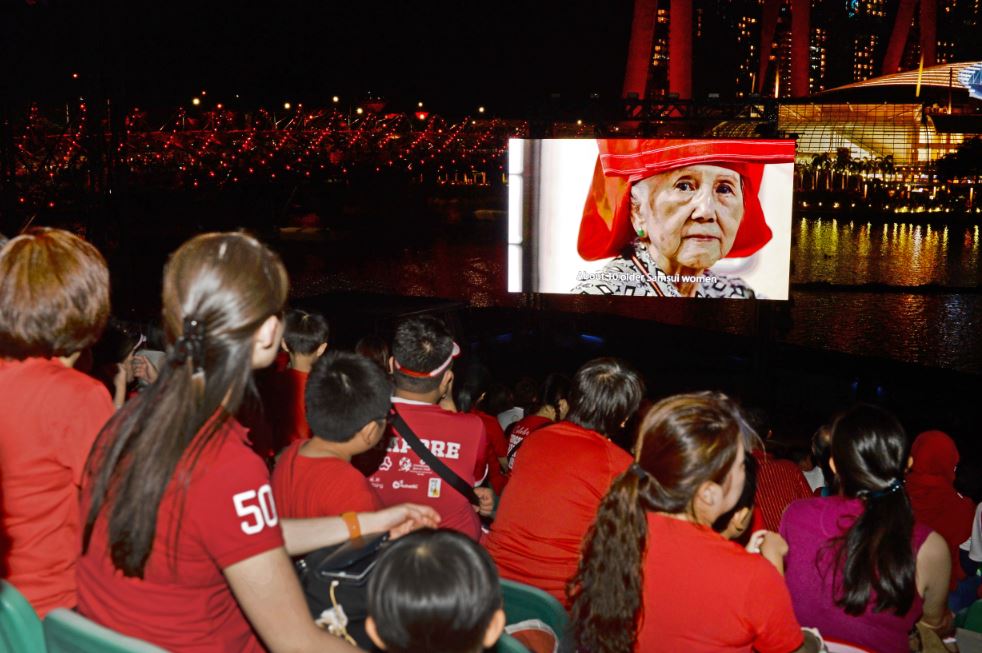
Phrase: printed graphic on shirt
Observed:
(434, 490)
(258, 509)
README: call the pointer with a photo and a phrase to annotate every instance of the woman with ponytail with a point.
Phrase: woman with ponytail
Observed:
(654, 575)
(182, 545)
(860, 568)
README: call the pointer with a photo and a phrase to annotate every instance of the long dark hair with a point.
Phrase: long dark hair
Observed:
(219, 288)
(683, 442)
(870, 451)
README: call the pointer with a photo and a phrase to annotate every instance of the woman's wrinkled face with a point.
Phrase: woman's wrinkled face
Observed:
(691, 215)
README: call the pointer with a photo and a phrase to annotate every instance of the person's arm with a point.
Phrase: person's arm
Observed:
(302, 536)
(283, 624)
(933, 575)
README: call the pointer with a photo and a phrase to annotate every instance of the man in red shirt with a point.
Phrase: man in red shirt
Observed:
(305, 338)
(559, 478)
(422, 356)
(348, 401)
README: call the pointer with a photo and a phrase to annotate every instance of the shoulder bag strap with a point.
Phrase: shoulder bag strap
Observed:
(437, 465)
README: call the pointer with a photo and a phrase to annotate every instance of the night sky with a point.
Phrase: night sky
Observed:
(508, 56)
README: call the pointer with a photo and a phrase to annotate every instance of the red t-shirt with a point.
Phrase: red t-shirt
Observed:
(323, 486)
(779, 482)
(702, 594)
(283, 403)
(496, 449)
(458, 440)
(185, 604)
(521, 430)
(51, 416)
(560, 476)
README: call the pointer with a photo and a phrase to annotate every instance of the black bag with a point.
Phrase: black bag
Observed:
(337, 576)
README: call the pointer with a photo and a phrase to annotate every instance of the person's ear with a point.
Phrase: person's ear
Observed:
(910, 463)
(392, 364)
(372, 633)
(446, 384)
(494, 630)
(284, 346)
(563, 410)
(320, 350)
(835, 471)
(708, 497)
(741, 518)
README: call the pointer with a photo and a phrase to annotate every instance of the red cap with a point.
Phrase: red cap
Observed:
(606, 225)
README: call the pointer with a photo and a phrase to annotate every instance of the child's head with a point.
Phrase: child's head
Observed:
(305, 334)
(733, 523)
(348, 398)
(435, 591)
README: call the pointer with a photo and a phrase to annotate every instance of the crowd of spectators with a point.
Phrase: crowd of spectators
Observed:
(141, 486)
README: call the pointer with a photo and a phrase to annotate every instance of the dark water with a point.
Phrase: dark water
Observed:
(899, 291)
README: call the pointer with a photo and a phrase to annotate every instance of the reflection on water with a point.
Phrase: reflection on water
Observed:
(935, 328)
(896, 254)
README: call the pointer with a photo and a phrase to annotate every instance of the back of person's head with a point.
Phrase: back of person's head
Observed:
(344, 393)
(687, 456)
(555, 395)
(870, 452)
(822, 454)
(435, 591)
(934, 453)
(305, 333)
(222, 294)
(54, 294)
(526, 393)
(604, 394)
(422, 352)
(471, 386)
(375, 348)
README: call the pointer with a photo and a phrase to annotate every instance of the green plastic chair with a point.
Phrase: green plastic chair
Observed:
(523, 602)
(973, 618)
(69, 632)
(20, 628)
(508, 644)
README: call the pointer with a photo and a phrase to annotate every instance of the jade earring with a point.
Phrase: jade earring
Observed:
(640, 233)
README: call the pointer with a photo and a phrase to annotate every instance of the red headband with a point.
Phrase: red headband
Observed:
(606, 224)
(426, 375)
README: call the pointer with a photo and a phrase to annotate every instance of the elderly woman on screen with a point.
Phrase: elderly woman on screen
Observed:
(668, 210)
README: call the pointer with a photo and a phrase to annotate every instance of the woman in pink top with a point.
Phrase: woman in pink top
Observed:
(859, 567)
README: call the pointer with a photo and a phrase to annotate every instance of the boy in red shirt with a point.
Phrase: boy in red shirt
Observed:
(304, 340)
(348, 401)
(423, 353)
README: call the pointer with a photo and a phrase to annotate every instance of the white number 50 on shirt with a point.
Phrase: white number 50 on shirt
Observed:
(258, 509)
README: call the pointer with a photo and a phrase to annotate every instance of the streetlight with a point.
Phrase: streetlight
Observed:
(335, 99)
(480, 109)
(196, 101)
(287, 105)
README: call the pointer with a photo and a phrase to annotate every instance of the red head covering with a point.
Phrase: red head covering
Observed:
(933, 497)
(606, 225)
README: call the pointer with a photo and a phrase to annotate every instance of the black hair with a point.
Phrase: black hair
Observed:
(421, 344)
(115, 344)
(874, 556)
(345, 392)
(375, 348)
(605, 392)
(746, 499)
(822, 454)
(470, 386)
(434, 591)
(304, 332)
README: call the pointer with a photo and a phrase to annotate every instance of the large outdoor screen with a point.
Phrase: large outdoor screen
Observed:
(706, 218)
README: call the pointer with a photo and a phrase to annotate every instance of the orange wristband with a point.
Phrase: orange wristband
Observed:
(351, 521)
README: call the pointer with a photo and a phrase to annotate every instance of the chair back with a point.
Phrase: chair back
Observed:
(508, 644)
(20, 628)
(524, 602)
(973, 618)
(69, 632)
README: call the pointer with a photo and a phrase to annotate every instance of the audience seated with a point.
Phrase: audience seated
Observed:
(435, 591)
(182, 545)
(859, 567)
(822, 455)
(305, 337)
(348, 401)
(112, 360)
(936, 503)
(559, 478)
(54, 303)
(551, 406)
(654, 575)
(422, 358)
